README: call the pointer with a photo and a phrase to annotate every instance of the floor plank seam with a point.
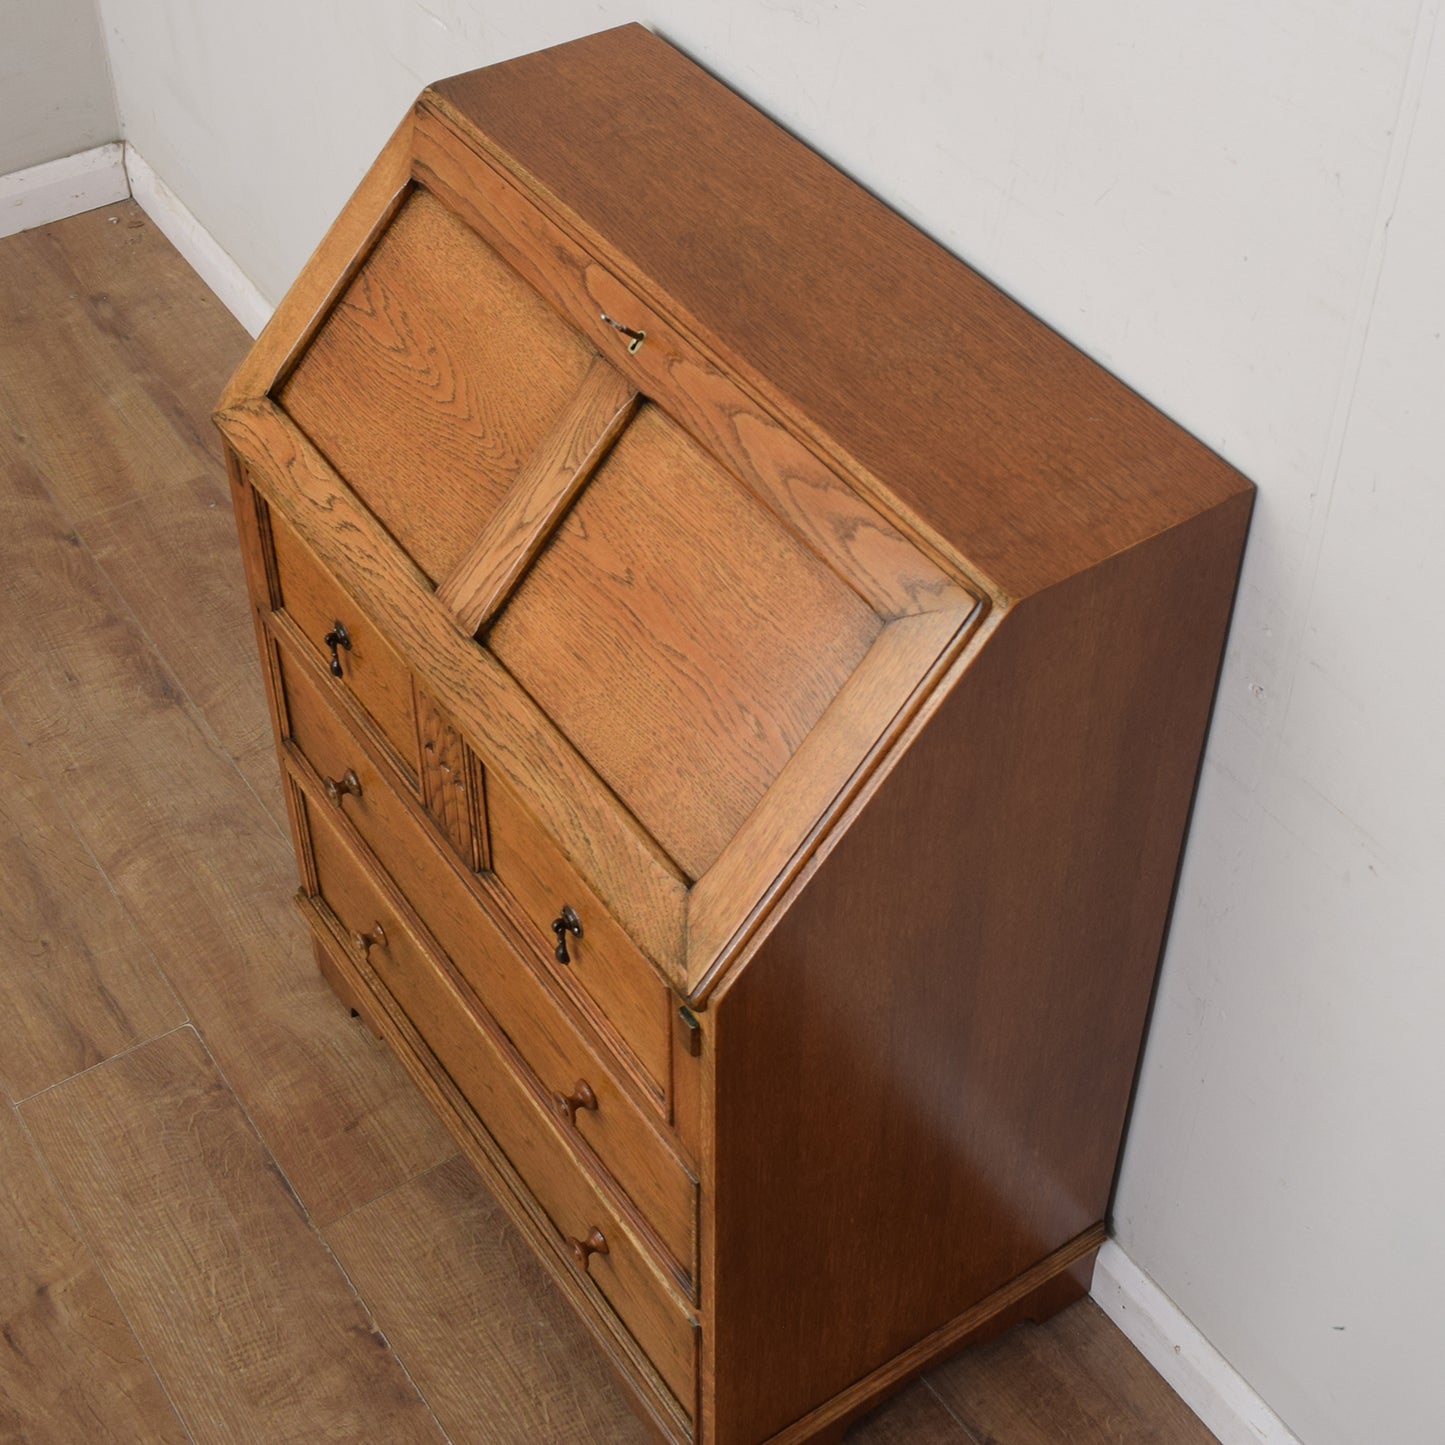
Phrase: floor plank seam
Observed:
(80, 1234)
(952, 1414)
(109, 1059)
(193, 710)
(390, 1190)
(320, 1234)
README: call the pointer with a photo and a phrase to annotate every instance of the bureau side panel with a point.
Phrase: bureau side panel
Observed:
(922, 1072)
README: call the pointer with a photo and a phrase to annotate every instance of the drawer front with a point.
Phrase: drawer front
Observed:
(364, 663)
(602, 961)
(589, 1229)
(586, 1095)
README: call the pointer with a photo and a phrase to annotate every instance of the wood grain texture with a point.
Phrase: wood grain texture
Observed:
(607, 975)
(682, 639)
(737, 425)
(474, 1054)
(492, 1345)
(616, 1135)
(508, 729)
(70, 1367)
(80, 1364)
(178, 541)
(197, 863)
(370, 668)
(311, 297)
(544, 489)
(977, 415)
(76, 983)
(427, 410)
(391, 825)
(1067, 1379)
(232, 1293)
(448, 786)
(102, 296)
(933, 989)
(915, 1417)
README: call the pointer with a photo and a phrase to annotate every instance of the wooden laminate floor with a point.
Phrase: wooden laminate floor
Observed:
(225, 1215)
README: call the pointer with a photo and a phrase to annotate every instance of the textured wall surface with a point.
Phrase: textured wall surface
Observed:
(55, 95)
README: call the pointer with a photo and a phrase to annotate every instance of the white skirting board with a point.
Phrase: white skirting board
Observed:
(1197, 1372)
(233, 288)
(59, 189)
(41, 194)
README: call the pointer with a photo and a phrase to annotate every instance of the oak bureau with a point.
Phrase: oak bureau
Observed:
(739, 681)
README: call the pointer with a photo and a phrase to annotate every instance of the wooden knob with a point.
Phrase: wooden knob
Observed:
(581, 1097)
(584, 1249)
(376, 938)
(336, 791)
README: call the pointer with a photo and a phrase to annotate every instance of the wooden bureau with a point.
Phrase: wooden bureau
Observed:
(739, 681)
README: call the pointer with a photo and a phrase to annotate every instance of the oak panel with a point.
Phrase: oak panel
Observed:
(615, 1129)
(682, 639)
(490, 1342)
(428, 407)
(522, 524)
(626, 865)
(70, 1367)
(932, 384)
(232, 1293)
(76, 983)
(605, 966)
(370, 668)
(510, 1112)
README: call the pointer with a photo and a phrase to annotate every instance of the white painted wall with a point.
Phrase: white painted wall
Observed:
(55, 95)
(1240, 208)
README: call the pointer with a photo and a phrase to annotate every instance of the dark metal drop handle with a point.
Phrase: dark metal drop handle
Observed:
(336, 791)
(567, 922)
(584, 1249)
(581, 1097)
(337, 637)
(376, 938)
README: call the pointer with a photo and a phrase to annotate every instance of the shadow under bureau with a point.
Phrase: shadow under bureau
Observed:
(740, 682)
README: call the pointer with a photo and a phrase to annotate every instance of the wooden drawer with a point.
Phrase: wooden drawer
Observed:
(589, 1228)
(602, 962)
(627, 1145)
(365, 664)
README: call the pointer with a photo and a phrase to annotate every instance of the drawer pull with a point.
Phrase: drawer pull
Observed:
(581, 1097)
(584, 1249)
(567, 922)
(376, 938)
(336, 791)
(337, 637)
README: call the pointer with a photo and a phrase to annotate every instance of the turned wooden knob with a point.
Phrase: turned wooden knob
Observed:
(336, 791)
(375, 938)
(584, 1249)
(581, 1097)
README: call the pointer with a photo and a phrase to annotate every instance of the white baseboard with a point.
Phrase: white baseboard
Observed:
(41, 194)
(234, 289)
(1198, 1373)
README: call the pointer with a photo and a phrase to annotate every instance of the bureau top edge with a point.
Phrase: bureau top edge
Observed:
(971, 417)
